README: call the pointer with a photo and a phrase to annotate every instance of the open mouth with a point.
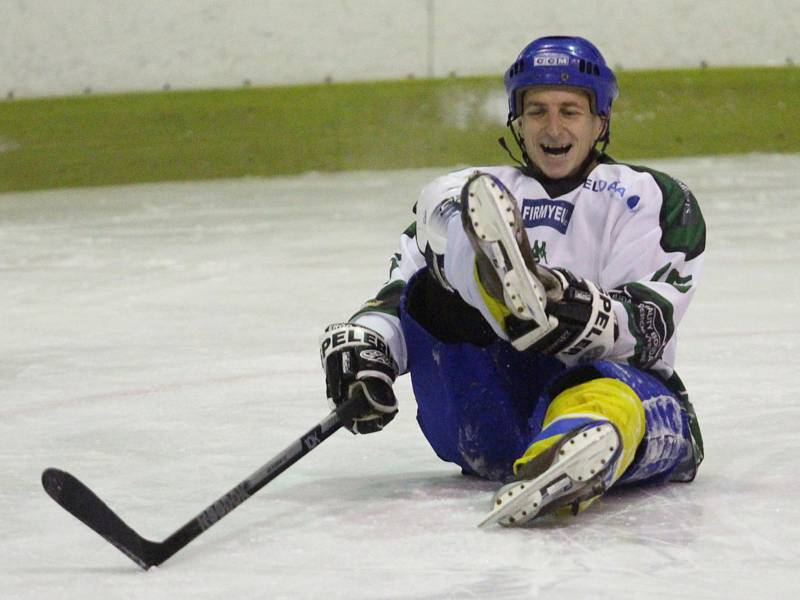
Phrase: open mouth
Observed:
(556, 150)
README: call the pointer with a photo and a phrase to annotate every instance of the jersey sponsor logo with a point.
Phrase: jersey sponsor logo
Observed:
(547, 213)
(649, 327)
(539, 251)
(550, 60)
(611, 187)
(602, 185)
(653, 328)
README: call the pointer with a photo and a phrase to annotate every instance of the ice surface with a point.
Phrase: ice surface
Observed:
(160, 342)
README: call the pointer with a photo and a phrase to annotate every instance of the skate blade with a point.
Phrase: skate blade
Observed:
(581, 463)
(491, 213)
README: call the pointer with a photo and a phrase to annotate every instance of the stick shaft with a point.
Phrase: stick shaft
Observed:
(257, 480)
(76, 498)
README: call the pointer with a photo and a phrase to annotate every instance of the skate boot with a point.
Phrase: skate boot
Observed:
(507, 274)
(571, 472)
(589, 438)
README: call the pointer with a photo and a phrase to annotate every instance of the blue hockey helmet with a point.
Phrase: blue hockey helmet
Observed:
(561, 60)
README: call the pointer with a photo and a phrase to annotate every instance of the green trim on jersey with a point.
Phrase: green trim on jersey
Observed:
(394, 263)
(683, 228)
(673, 278)
(661, 272)
(387, 301)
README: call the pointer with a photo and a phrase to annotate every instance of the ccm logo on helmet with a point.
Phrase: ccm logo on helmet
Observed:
(550, 60)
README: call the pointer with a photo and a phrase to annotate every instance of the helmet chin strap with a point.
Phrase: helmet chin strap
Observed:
(605, 136)
(502, 141)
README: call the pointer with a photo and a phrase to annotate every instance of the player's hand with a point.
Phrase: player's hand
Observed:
(358, 364)
(587, 326)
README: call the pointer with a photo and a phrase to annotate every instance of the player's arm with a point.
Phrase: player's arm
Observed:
(362, 357)
(382, 313)
(647, 280)
(652, 274)
(421, 244)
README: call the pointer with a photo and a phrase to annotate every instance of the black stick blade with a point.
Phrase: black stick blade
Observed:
(84, 505)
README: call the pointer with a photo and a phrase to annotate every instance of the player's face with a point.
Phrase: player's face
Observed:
(559, 129)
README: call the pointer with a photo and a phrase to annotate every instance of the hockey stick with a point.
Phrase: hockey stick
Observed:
(84, 504)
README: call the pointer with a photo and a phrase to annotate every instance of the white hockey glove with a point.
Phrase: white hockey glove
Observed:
(358, 364)
(587, 326)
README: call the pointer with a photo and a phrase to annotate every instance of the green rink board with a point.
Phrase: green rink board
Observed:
(207, 134)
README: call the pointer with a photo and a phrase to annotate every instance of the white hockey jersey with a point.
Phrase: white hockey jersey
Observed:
(637, 233)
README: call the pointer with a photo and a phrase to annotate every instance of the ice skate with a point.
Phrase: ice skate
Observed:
(570, 473)
(505, 262)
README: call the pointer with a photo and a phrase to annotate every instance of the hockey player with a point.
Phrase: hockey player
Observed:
(536, 306)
